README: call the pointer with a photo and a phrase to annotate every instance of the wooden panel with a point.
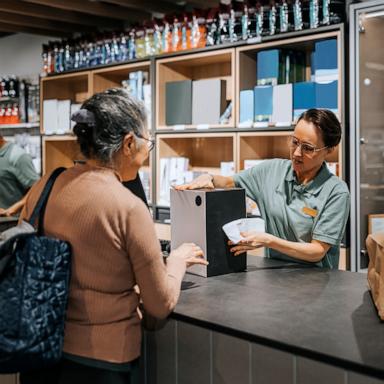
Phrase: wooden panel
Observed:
(262, 145)
(112, 77)
(202, 151)
(269, 145)
(60, 152)
(205, 152)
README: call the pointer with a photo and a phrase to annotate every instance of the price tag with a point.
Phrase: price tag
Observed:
(202, 126)
(254, 40)
(179, 127)
(283, 124)
(260, 124)
(246, 124)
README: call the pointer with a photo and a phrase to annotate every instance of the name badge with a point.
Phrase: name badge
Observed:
(309, 211)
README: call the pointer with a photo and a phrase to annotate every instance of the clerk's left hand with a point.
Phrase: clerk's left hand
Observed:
(251, 240)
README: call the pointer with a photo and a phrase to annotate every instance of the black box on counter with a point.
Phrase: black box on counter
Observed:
(198, 216)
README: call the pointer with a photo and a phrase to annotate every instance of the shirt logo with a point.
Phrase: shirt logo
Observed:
(309, 211)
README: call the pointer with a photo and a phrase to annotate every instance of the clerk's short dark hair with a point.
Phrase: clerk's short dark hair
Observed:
(115, 114)
(327, 122)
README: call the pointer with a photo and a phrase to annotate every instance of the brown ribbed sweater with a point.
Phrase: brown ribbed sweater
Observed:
(114, 247)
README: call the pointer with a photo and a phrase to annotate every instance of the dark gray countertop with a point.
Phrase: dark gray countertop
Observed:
(318, 313)
(7, 222)
(8, 219)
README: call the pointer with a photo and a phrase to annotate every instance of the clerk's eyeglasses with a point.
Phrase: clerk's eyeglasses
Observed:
(150, 142)
(306, 149)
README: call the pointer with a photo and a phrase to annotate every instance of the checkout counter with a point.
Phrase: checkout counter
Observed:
(277, 322)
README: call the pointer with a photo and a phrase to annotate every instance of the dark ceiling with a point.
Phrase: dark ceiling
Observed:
(62, 18)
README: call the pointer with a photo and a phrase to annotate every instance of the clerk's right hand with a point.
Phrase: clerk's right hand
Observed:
(203, 181)
(191, 253)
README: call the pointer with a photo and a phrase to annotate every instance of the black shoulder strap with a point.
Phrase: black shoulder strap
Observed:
(39, 210)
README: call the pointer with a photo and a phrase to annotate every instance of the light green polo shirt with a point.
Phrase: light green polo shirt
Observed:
(17, 174)
(318, 210)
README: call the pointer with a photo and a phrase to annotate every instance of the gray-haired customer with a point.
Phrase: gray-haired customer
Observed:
(114, 244)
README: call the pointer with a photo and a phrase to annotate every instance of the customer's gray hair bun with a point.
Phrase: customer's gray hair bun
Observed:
(84, 116)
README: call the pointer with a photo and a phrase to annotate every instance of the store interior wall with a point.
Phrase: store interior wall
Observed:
(20, 54)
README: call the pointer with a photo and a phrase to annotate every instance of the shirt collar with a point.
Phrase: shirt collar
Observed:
(4, 149)
(315, 185)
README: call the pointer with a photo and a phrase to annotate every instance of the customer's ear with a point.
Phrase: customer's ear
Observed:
(128, 144)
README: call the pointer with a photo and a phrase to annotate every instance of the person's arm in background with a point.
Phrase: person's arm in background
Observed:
(25, 172)
(208, 181)
(15, 208)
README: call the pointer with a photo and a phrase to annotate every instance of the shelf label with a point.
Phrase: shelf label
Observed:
(260, 124)
(179, 127)
(283, 124)
(202, 126)
(246, 124)
(254, 40)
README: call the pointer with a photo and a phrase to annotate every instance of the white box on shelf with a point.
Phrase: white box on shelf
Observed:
(63, 116)
(208, 101)
(282, 110)
(50, 116)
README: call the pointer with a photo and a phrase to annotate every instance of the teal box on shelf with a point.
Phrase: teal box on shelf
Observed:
(268, 67)
(246, 106)
(198, 216)
(326, 96)
(304, 97)
(263, 103)
(178, 102)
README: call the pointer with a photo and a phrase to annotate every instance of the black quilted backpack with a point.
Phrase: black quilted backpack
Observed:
(34, 280)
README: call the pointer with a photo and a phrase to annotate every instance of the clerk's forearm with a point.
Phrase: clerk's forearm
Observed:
(223, 181)
(312, 252)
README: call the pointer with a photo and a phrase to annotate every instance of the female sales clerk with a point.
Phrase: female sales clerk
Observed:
(305, 206)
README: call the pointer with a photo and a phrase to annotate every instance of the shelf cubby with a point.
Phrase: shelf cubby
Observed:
(219, 64)
(109, 77)
(60, 151)
(75, 87)
(246, 62)
(270, 145)
(205, 152)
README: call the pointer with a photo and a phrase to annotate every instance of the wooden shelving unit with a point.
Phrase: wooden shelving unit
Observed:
(206, 146)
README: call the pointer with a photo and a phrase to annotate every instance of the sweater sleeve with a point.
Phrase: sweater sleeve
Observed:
(159, 283)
